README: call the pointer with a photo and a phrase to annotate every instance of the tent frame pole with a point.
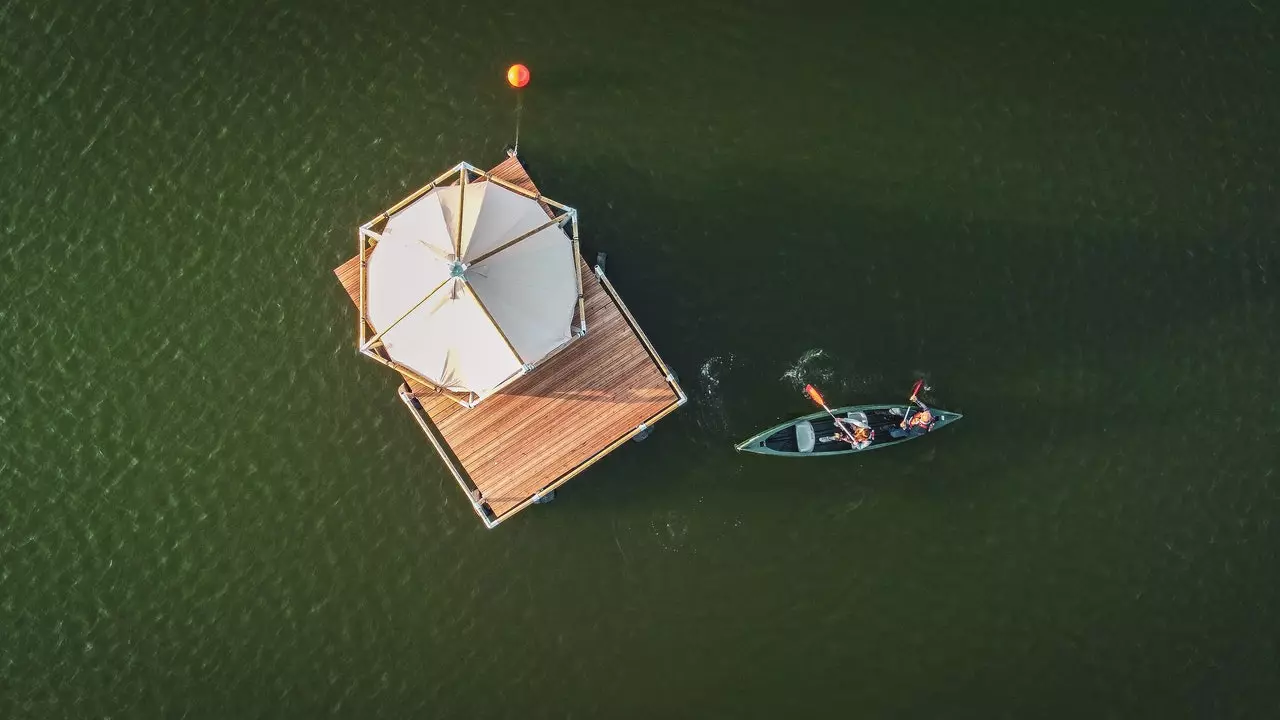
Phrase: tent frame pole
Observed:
(364, 268)
(517, 189)
(578, 266)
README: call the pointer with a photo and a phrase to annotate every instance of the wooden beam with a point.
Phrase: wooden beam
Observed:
(363, 304)
(531, 195)
(413, 196)
(577, 261)
(462, 199)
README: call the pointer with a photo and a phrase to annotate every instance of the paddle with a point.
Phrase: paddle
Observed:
(816, 396)
(915, 390)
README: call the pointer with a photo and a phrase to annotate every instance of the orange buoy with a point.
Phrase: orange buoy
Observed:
(517, 76)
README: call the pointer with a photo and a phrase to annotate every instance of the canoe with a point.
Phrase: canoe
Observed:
(815, 434)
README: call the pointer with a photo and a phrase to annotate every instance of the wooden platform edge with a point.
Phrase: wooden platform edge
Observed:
(644, 339)
(459, 473)
(671, 379)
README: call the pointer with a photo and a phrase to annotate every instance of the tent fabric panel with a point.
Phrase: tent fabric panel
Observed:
(423, 221)
(450, 199)
(401, 272)
(502, 216)
(451, 341)
(530, 290)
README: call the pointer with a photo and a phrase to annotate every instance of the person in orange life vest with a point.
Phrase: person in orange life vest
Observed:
(855, 433)
(921, 421)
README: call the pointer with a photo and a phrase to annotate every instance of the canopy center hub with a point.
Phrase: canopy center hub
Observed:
(458, 269)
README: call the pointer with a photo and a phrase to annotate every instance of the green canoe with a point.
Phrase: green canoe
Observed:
(815, 434)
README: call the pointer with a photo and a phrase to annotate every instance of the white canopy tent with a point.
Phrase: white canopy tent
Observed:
(467, 286)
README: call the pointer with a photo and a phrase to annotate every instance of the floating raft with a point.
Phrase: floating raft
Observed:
(523, 442)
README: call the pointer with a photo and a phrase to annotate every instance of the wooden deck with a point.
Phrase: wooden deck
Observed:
(556, 421)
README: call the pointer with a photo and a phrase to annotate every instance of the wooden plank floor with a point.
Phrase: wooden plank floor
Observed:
(547, 424)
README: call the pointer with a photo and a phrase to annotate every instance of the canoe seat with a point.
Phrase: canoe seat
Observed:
(805, 437)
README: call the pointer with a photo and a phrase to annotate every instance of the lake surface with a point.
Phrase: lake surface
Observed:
(1066, 217)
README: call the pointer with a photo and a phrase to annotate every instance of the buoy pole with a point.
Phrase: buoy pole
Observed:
(518, 77)
(515, 150)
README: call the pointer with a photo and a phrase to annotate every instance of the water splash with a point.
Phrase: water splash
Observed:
(671, 530)
(814, 366)
(710, 403)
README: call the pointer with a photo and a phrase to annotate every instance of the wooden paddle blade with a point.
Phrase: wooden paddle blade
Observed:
(814, 395)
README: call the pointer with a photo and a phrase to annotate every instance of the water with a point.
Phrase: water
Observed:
(1066, 218)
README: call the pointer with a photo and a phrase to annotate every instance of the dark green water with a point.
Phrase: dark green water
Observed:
(1067, 217)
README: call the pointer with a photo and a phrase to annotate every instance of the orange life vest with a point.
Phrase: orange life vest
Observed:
(923, 419)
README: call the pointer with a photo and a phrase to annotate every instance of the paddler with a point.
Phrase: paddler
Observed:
(922, 421)
(856, 433)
